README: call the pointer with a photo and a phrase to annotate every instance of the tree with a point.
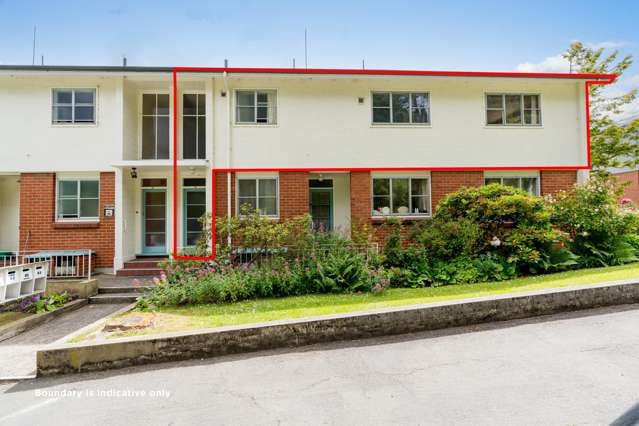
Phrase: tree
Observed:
(612, 144)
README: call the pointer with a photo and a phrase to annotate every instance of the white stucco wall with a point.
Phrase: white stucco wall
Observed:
(38, 145)
(321, 124)
(9, 212)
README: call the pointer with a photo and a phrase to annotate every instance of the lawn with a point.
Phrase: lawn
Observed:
(262, 310)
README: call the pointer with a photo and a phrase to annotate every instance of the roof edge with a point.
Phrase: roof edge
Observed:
(305, 71)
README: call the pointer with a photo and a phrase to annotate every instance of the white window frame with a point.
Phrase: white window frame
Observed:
(515, 175)
(74, 123)
(275, 107)
(257, 178)
(77, 179)
(198, 117)
(410, 108)
(141, 115)
(410, 200)
(503, 109)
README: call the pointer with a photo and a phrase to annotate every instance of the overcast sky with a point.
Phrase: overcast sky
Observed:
(443, 35)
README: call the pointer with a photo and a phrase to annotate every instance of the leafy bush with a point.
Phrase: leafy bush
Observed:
(600, 233)
(512, 224)
(37, 304)
(328, 264)
(447, 239)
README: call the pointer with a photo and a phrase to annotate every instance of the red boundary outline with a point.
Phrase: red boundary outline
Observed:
(591, 79)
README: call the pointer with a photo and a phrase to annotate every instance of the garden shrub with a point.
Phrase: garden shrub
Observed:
(599, 232)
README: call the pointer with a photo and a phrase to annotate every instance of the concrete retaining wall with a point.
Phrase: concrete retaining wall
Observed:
(75, 288)
(73, 358)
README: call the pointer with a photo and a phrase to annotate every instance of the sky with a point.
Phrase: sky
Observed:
(434, 35)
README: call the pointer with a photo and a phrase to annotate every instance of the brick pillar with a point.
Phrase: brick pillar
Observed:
(220, 194)
(443, 183)
(293, 194)
(361, 206)
(553, 181)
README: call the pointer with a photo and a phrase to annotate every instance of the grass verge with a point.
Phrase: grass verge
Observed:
(262, 310)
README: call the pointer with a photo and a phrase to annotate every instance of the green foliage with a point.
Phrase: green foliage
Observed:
(327, 264)
(500, 220)
(612, 144)
(50, 303)
(599, 231)
(447, 239)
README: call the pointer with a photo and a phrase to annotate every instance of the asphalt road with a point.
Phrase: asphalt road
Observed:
(573, 369)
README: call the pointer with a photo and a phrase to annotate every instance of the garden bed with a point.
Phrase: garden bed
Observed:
(189, 318)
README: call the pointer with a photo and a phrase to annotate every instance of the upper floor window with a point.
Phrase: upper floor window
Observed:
(73, 106)
(401, 196)
(78, 199)
(255, 107)
(401, 108)
(513, 110)
(193, 126)
(155, 126)
(525, 183)
(260, 194)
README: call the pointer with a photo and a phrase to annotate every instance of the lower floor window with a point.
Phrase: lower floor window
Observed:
(78, 199)
(258, 194)
(528, 184)
(401, 196)
(195, 208)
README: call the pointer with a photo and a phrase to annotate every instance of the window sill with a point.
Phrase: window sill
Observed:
(512, 126)
(408, 218)
(255, 125)
(403, 125)
(62, 125)
(85, 224)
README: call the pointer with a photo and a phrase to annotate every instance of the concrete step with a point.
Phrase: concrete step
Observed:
(139, 272)
(113, 298)
(129, 289)
(141, 263)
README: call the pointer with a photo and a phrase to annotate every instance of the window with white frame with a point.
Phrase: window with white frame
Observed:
(401, 196)
(513, 110)
(193, 126)
(73, 106)
(401, 108)
(78, 199)
(258, 194)
(529, 184)
(155, 126)
(255, 107)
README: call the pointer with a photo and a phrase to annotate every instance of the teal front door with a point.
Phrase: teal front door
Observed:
(154, 221)
(321, 208)
(194, 209)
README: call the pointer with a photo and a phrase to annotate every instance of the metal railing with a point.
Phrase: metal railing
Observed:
(62, 263)
(243, 254)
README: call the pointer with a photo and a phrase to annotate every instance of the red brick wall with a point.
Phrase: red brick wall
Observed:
(361, 206)
(557, 180)
(39, 230)
(443, 183)
(220, 194)
(632, 189)
(293, 194)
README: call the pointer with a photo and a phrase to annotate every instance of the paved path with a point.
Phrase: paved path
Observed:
(17, 355)
(580, 368)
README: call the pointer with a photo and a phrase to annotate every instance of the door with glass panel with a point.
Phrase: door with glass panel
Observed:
(154, 221)
(194, 209)
(155, 126)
